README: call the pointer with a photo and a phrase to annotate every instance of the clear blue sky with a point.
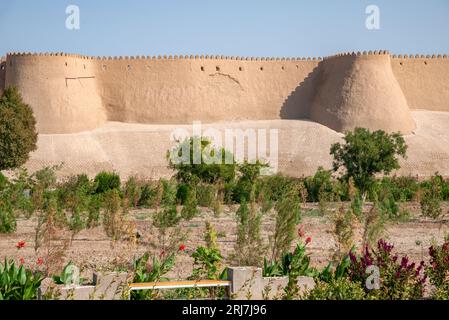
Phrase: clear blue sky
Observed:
(228, 27)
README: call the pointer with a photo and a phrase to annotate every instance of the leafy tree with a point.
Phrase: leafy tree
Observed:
(366, 153)
(196, 158)
(105, 181)
(18, 134)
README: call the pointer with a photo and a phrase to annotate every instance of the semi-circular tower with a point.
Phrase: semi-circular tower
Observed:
(360, 90)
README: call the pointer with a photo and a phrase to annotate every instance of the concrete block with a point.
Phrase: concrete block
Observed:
(108, 286)
(246, 283)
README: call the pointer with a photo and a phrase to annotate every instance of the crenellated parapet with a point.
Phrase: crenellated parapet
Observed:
(163, 57)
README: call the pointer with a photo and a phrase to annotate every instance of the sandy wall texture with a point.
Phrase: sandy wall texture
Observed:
(72, 93)
(359, 91)
(424, 80)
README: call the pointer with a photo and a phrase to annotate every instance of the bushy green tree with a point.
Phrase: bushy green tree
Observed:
(365, 153)
(195, 157)
(18, 134)
(105, 181)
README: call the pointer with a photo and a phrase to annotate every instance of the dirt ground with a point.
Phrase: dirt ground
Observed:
(93, 250)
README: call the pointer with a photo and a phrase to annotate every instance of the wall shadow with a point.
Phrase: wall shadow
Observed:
(297, 104)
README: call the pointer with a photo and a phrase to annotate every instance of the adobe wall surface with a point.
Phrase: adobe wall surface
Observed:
(360, 91)
(71, 93)
(424, 80)
(63, 91)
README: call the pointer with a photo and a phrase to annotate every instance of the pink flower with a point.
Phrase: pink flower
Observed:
(20, 244)
(182, 247)
(308, 240)
(40, 261)
(22, 261)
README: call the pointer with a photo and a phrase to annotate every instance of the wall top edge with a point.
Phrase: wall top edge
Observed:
(222, 57)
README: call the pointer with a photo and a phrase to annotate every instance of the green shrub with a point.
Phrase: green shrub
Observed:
(142, 273)
(190, 210)
(212, 165)
(3, 181)
(182, 192)
(8, 222)
(365, 154)
(169, 190)
(431, 199)
(166, 218)
(132, 192)
(105, 181)
(148, 196)
(248, 247)
(18, 283)
(246, 186)
(18, 136)
(288, 216)
(274, 186)
(205, 194)
(320, 187)
(115, 215)
(438, 271)
(336, 289)
(296, 263)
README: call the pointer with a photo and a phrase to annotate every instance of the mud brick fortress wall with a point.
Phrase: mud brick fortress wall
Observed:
(73, 93)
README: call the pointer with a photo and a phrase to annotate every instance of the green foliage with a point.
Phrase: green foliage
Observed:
(373, 225)
(68, 275)
(18, 136)
(8, 222)
(206, 263)
(438, 270)
(18, 283)
(115, 215)
(205, 194)
(3, 181)
(320, 186)
(154, 272)
(248, 247)
(168, 192)
(105, 181)
(196, 159)
(148, 195)
(341, 270)
(367, 153)
(431, 199)
(294, 264)
(190, 210)
(340, 288)
(166, 218)
(246, 185)
(344, 221)
(132, 192)
(288, 216)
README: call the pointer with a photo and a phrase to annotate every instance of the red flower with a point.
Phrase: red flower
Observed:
(308, 240)
(22, 261)
(20, 244)
(40, 261)
(182, 247)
